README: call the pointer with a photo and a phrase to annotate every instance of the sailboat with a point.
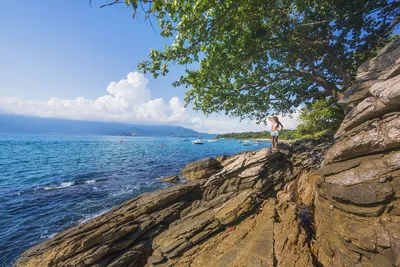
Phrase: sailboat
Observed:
(198, 141)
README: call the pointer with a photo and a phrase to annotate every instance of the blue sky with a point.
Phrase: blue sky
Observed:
(69, 49)
(59, 57)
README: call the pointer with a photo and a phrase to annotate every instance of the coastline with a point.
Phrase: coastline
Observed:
(266, 139)
(164, 224)
(270, 140)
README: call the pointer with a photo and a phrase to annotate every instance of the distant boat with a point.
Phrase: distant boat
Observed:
(133, 134)
(212, 141)
(246, 143)
(185, 139)
(257, 142)
(198, 142)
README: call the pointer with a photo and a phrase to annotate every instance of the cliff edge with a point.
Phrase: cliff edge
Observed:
(357, 209)
(312, 203)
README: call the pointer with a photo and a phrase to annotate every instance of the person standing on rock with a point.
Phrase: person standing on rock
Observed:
(275, 130)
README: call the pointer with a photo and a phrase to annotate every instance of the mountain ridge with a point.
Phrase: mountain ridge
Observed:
(10, 123)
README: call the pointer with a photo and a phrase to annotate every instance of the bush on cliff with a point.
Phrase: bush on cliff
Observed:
(323, 115)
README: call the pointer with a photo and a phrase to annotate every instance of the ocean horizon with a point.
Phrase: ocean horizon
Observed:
(50, 182)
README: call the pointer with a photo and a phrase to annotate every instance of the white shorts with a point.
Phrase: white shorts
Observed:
(274, 133)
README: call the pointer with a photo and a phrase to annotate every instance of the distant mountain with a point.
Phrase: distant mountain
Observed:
(35, 125)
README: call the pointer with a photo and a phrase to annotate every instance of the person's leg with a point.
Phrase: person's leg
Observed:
(272, 141)
(276, 141)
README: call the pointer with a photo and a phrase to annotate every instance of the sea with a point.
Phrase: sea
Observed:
(49, 183)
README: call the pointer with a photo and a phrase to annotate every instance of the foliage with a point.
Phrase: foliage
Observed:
(258, 57)
(284, 134)
(322, 115)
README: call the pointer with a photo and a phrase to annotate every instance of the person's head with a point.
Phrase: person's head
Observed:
(271, 119)
(274, 119)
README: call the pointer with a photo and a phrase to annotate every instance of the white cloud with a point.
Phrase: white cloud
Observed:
(129, 101)
(228, 125)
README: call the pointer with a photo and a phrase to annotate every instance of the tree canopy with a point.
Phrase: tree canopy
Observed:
(262, 57)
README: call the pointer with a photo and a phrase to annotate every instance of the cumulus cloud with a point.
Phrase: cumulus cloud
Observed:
(129, 101)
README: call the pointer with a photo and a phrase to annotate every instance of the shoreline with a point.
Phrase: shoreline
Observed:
(270, 140)
(264, 139)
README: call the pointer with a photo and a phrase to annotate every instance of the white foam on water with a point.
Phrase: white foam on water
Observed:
(47, 236)
(60, 186)
(89, 217)
(90, 182)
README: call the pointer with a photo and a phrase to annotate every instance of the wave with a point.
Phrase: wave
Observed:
(60, 186)
(89, 217)
(68, 184)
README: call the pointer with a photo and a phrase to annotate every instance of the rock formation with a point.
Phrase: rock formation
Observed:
(170, 179)
(357, 211)
(267, 208)
(202, 168)
(158, 228)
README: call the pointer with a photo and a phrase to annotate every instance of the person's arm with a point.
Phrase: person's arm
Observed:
(281, 126)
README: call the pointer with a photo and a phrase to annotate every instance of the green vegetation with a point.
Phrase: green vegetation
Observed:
(284, 134)
(316, 119)
(252, 58)
(322, 115)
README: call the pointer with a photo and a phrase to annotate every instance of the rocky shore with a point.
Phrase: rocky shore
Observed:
(312, 203)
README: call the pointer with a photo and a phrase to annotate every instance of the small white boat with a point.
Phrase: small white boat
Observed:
(257, 142)
(246, 143)
(212, 141)
(198, 142)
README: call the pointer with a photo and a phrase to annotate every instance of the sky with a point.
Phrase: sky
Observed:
(65, 59)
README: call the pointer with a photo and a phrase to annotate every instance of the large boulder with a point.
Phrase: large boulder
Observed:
(358, 202)
(200, 169)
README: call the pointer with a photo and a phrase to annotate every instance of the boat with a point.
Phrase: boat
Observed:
(246, 143)
(185, 139)
(198, 142)
(257, 142)
(212, 141)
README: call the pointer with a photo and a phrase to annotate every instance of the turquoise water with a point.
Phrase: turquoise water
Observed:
(51, 182)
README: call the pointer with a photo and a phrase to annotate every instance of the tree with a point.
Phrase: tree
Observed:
(321, 115)
(261, 57)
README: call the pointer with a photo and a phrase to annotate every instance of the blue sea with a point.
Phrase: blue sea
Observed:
(49, 183)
